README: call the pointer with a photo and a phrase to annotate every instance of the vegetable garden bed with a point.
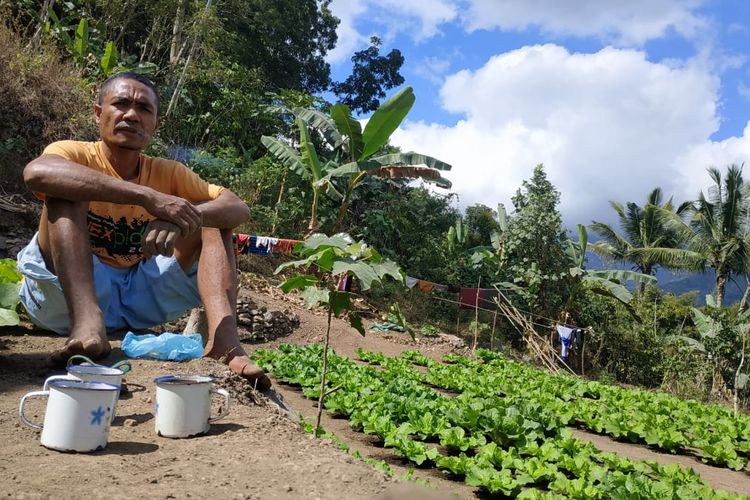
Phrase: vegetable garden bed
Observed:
(505, 431)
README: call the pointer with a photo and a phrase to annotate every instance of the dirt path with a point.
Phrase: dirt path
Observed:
(253, 453)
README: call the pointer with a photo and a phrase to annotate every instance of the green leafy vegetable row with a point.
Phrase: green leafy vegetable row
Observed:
(503, 445)
(659, 420)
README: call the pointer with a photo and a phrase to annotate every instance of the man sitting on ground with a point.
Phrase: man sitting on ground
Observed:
(127, 241)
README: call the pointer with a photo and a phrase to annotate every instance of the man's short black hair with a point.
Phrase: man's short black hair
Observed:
(127, 75)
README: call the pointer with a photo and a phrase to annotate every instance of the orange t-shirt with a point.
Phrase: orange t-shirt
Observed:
(116, 230)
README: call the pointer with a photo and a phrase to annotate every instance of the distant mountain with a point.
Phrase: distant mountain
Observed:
(679, 283)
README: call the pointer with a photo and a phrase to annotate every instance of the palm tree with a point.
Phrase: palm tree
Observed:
(717, 235)
(643, 228)
(719, 225)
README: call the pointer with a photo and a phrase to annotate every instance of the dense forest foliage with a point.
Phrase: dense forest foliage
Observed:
(240, 86)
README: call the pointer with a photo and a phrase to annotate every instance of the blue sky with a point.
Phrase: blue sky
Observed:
(614, 97)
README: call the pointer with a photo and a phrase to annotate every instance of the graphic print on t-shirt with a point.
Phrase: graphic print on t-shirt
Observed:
(120, 240)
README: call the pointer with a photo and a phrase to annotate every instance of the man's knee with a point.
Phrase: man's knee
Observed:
(58, 208)
(61, 227)
(189, 250)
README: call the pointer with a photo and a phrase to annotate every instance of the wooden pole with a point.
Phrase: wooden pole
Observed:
(476, 316)
(492, 335)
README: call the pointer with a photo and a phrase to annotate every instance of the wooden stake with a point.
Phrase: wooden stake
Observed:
(492, 335)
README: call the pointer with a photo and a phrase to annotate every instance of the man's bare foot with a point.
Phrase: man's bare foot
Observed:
(241, 365)
(93, 348)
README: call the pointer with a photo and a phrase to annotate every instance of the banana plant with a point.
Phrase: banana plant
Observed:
(304, 163)
(495, 252)
(608, 283)
(456, 235)
(714, 345)
(357, 153)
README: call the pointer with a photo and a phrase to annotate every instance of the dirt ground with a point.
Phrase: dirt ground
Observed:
(255, 452)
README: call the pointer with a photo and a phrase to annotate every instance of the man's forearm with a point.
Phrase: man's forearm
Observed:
(57, 177)
(225, 212)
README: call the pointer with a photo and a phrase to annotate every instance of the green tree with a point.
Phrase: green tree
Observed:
(717, 234)
(534, 258)
(722, 335)
(285, 40)
(371, 76)
(337, 256)
(643, 228)
(407, 224)
(480, 222)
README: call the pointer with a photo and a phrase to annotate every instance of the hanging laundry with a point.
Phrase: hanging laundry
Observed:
(242, 244)
(439, 288)
(484, 298)
(424, 286)
(410, 282)
(468, 297)
(255, 248)
(345, 284)
(566, 338)
(578, 337)
(263, 245)
(487, 298)
(284, 246)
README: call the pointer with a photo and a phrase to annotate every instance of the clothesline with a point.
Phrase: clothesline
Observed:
(263, 245)
(472, 298)
(541, 325)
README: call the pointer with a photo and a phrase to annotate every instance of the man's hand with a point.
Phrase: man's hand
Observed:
(159, 238)
(176, 210)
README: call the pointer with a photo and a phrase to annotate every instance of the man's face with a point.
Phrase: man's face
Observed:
(127, 116)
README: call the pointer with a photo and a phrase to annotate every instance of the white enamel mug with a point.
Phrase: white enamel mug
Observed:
(92, 373)
(78, 414)
(183, 405)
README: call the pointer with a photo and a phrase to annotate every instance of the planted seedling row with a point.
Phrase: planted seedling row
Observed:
(503, 445)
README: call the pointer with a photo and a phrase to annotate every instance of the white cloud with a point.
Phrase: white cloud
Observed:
(349, 39)
(420, 19)
(433, 69)
(693, 163)
(631, 22)
(744, 91)
(608, 125)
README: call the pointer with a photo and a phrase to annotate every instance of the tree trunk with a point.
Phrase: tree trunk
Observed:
(346, 201)
(179, 20)
(737, 378)
(323, 373)
(278, 203)
(313, 225)
(721, 283)
(181, 81)
(745, 295)
(43, 17)
(646, 269)
(718, 385)
(476, 317)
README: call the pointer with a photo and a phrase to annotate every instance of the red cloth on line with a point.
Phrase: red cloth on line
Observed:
(243, 243)
(467, 297)
(285, 246)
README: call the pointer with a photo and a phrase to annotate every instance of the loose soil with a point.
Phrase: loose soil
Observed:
(255, 452)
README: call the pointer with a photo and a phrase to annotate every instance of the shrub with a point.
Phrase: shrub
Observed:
(43, 99)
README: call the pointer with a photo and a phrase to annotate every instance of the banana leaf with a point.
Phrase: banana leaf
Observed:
(385, 120)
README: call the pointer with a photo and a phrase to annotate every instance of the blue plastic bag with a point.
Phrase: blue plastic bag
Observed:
(166, 346)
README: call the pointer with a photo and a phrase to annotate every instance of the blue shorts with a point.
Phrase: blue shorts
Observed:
(153, 292)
